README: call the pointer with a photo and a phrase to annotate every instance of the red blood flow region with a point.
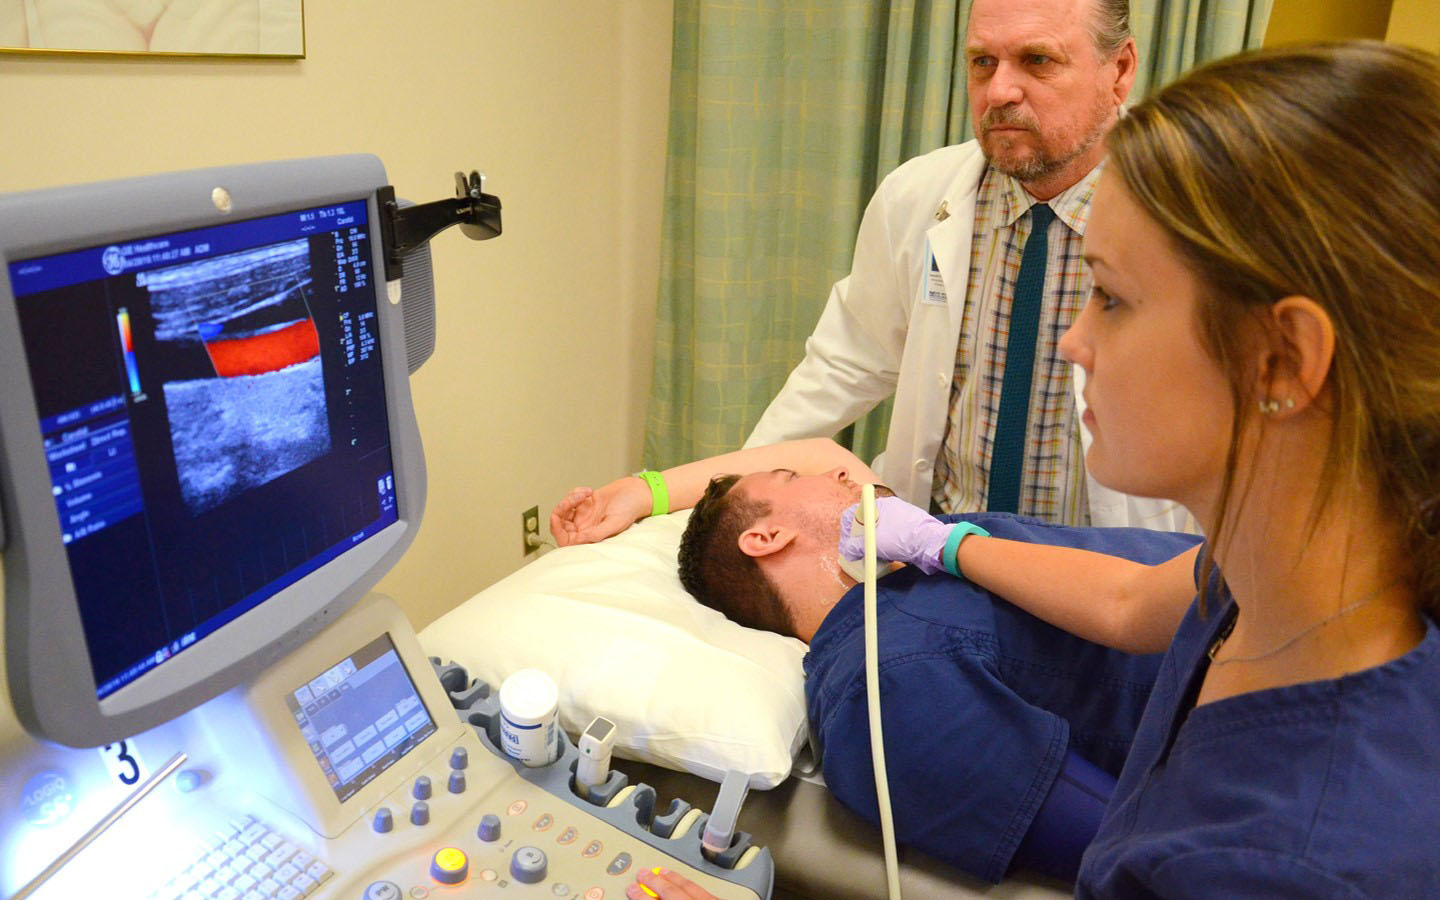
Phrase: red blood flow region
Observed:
(261, 353)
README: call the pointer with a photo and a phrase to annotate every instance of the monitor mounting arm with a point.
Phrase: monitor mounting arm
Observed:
(405, 228)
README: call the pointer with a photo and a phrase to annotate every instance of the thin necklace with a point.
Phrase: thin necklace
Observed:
(1344, 611)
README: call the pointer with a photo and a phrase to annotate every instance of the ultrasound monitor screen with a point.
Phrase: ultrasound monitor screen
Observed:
(360, 715)
(212, 407)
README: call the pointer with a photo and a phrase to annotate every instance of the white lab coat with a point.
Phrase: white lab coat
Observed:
(876, 337)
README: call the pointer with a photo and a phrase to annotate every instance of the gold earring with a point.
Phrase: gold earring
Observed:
(1269, 405)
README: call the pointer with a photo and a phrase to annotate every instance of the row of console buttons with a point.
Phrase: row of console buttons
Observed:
(388, 890)
(450, 866)
(489, 831)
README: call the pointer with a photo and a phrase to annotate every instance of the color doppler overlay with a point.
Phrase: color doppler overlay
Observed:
(255, 408)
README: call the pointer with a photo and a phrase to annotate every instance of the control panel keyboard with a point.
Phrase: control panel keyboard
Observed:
(246, 860)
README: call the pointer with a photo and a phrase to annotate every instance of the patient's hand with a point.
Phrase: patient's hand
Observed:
(587, 515)
(667, 886)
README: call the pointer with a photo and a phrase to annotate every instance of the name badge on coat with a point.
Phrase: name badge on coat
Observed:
(934, 282)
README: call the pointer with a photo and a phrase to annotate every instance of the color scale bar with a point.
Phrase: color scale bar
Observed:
(127, 344)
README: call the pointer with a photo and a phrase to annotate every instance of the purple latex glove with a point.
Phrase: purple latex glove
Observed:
(903, 533)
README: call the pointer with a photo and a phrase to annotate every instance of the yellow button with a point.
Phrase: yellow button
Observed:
(450, 866)
(450, 858)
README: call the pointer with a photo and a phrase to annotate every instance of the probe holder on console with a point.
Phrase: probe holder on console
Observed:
(404, 228)
(635, 812)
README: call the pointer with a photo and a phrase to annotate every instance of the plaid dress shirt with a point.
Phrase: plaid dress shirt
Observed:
(1052, 482)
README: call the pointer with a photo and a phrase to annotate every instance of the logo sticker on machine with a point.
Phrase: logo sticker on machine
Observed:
(47, 799)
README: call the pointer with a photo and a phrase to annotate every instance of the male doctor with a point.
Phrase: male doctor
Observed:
(966, 272)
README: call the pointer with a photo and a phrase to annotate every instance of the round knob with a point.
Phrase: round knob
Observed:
(384, 820)
(528, 865)
(382, 890)
(421, 791)
(420, 813)
(457, 782)
(489, 830)
(459, 758)
(449, 866)
(189, 780)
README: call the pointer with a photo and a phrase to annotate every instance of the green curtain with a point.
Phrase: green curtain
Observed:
(784, 116)
(1175, 35)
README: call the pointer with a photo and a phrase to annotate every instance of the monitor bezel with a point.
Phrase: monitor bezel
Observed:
(51, 682)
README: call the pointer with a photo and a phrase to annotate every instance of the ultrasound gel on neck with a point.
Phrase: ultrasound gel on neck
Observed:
(529, 702)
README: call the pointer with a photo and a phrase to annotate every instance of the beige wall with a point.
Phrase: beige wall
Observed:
(1313, 20)
(542, 367)
(1412, 22)
(1415, 22)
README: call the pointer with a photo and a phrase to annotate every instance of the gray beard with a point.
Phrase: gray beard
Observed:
(1039, 166)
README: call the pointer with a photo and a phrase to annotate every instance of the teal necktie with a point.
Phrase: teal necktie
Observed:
(1007, 459)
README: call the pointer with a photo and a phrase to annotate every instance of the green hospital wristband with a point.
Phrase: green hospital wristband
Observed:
(659, 496)
(952, 545)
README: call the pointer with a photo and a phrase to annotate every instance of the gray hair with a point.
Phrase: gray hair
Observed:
(1110, 30)
(1112, 26)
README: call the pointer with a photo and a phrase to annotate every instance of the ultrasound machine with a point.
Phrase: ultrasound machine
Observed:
(208, 458)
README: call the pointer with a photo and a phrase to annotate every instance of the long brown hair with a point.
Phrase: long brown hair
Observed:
(1314, 170)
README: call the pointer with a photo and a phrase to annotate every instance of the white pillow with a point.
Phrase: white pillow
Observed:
(687, 688)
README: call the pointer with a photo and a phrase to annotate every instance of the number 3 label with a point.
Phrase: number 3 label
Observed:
(124, 762)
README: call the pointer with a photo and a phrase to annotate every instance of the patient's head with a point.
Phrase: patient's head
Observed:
(713, 569)
(763, 548)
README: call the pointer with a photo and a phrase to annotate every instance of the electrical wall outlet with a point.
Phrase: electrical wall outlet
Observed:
(530, 531)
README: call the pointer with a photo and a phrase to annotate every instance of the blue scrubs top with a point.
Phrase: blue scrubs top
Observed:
(979, 700)
(1323, 789)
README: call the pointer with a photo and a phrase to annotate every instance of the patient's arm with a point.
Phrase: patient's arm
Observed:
(1105, 599)
(587, 515)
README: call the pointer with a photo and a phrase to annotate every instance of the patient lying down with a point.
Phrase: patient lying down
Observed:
(1003, 734)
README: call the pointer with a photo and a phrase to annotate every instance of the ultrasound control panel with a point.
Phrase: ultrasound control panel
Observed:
(503, 835)
(350, 770)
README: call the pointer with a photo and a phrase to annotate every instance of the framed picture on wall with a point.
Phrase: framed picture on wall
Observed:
(243, 28)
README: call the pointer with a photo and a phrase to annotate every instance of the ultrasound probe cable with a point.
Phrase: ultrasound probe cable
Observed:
(872, 696)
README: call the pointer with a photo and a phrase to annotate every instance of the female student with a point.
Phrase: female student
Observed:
(1262, 346)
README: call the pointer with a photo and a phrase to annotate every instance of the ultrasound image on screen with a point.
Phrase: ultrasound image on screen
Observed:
(213, 409)
(259, 410)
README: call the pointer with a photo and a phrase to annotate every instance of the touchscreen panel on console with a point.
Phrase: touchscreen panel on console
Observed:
(360, 716)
